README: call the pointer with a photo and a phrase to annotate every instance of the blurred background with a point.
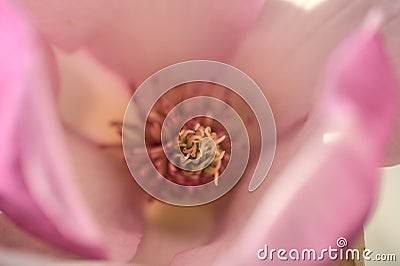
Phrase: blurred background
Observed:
(382, 230)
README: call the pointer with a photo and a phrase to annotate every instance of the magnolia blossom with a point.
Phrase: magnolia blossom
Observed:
(68, 70)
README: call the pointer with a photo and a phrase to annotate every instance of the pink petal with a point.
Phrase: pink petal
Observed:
(141, 37)
(91, 97)
(37, 190)
(324, 178)
(171, 229)
(114, 198)
(10, 257)
(16, 239)
(287, 48)
(393, 154)
(392, 41)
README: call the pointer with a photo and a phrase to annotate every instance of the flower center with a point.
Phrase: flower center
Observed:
(190, 144)
(201, 153)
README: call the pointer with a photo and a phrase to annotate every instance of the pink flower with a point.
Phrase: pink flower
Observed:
(63, 194)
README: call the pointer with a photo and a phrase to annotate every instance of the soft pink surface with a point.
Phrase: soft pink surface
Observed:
(282, 46)
(316, 191)
(286, 51)
(37, 190)
(88, 205)
(140, 37)
(324, 179)
(112, 195)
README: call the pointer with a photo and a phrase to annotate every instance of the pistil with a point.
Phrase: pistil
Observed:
(189, 143)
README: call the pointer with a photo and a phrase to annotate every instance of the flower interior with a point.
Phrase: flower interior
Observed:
(195, 149)
(193, 165)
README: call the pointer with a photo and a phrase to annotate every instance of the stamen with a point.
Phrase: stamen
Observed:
(189, 140)
(221, 139)
(195, 153)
